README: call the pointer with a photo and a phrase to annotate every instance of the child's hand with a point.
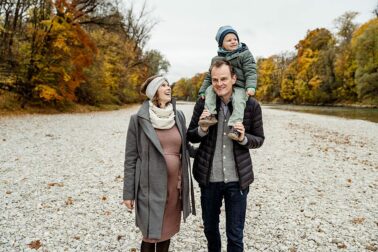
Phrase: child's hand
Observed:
(202, 96)
(250, 92)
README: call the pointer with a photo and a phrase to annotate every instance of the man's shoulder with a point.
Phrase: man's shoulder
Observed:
(199, 101)
(252, 103)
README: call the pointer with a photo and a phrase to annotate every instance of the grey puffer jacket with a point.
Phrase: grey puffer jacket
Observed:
(244, 65)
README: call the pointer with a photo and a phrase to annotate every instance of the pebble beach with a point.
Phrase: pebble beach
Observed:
(61, 179)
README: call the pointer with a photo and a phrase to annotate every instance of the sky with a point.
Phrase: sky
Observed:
(185, 32)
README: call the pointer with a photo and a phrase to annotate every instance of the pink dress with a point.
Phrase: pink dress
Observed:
(170, 140)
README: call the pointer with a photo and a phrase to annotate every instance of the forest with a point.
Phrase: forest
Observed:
(93, 52)
(59, 53)
(324, 69)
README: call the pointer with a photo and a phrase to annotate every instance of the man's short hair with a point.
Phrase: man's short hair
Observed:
(220, 62)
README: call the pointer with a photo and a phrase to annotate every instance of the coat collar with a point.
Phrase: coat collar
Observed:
(149, 130)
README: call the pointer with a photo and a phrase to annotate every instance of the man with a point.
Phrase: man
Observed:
(223, 167)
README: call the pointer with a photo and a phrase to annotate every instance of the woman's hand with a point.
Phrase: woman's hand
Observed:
(129, 204)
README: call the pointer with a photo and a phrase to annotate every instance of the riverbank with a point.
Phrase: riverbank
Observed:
(315, 189)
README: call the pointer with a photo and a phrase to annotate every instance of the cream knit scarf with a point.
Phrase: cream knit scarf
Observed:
(162, 118)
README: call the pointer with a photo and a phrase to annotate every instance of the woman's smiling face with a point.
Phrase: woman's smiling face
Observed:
(164, 93)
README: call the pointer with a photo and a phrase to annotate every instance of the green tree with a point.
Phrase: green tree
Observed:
(365, 47)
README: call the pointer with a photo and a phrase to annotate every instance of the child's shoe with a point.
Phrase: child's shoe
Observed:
(234, 134)
(208, 121)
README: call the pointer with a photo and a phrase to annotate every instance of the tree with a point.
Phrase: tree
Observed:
(314, 64)
(365, 47)
(75, 51)
(187, 88)
(267, 78)
(345, 26)
(287, 91)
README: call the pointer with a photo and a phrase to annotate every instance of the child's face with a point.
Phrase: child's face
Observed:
(230, 42)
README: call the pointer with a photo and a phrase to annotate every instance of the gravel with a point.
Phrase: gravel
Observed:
(315, 189)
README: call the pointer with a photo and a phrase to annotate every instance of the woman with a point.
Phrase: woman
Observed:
(157, 167)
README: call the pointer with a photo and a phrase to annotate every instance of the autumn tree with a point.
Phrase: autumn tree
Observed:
(315, 74)
(365, 47)
(81, 50)
(187, 88)
(288, 91)
(344, 63)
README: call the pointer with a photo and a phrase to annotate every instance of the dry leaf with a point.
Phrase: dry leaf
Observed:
(35, 244)
(104, 198)
(341, 246)
(358, 220)
(69, 201)
(118, 178)
(8, 192)
(76, 237)
(60, 184)
(119, 237)
(371, 248)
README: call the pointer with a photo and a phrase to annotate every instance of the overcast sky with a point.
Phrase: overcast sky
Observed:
(185, 34)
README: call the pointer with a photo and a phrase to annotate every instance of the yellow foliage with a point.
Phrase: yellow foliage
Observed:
(66, 77)
(47, 93)
(315, 82)
(358, 32)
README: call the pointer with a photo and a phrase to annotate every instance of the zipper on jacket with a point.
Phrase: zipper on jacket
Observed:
(237, 168)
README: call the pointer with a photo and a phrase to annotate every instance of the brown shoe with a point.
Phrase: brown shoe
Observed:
(234, 134)
(208, 121)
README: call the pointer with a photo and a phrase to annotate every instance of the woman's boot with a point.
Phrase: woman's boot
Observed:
(163, 246)
(147, 247)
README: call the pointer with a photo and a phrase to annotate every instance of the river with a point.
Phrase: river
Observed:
(368, 114)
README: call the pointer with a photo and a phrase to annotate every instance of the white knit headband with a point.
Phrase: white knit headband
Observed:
(154, 85)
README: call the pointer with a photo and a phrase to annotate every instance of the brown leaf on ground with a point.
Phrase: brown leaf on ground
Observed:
(119, 237)
(118, 178)
(76, 237)
(371, 248)
(341, 246)
(35, 244)
(69, 201)
(104, 198)
(8, 192)
(60, 184)
(133, 250)
(358, 220)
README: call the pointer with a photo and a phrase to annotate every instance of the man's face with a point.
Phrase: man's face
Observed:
(222, 81)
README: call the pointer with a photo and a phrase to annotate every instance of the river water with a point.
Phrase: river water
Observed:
(368, 114)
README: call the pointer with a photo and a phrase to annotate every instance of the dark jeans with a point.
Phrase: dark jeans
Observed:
(235, 205)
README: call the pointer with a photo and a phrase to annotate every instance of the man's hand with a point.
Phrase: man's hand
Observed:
(240, 128)
(205, 113)
(129, 204)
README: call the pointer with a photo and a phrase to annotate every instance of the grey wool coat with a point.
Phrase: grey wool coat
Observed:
(145, 174)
